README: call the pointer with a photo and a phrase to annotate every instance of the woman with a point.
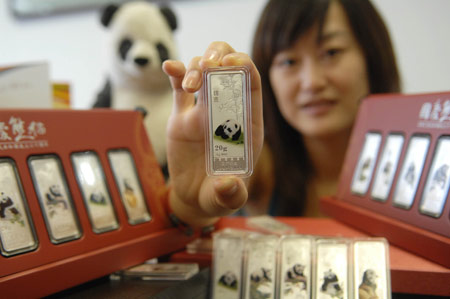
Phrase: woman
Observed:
(317, 59)
(317, 62)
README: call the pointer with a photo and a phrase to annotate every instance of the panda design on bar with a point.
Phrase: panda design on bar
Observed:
(229, 129)
(226, 92)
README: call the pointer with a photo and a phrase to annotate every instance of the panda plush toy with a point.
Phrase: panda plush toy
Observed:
(140, 38)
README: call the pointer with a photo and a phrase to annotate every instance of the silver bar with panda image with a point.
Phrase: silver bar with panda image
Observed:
(54, 198)
(295, 267)
(371, 276)
(331, 276)
(17, 233)
(228, 248)
(226, 92)
(260, 266)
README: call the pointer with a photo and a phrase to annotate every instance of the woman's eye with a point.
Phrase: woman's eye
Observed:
(332, 52)
(287, 62)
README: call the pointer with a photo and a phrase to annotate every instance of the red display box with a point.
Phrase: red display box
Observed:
(396, 175)
(34, 143)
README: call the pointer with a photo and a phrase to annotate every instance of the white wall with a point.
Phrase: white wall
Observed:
(72, 43)
(421, 34)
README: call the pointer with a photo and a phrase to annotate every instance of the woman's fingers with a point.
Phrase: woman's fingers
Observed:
(212, 58)
(222, 196)
(214, 54)
(176, 72)
(192, 80)
(231, 192)
(218, 197)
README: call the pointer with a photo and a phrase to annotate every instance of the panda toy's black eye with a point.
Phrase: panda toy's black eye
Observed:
(163, 52)
(124, 47)
(236, 126)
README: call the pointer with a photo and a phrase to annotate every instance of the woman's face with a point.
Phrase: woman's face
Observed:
(319, 81)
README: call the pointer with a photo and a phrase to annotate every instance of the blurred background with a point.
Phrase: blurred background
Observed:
(72, 41)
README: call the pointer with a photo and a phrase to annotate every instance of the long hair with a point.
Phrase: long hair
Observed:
(282, 23)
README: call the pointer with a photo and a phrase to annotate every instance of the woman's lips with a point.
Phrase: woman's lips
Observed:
(318, 108)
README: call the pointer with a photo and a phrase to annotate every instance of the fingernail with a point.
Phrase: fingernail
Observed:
(212, 55)
(226, 186)
(191, 80)
(235, 58)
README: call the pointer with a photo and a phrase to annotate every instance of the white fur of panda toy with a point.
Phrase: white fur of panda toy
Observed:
(140, 38)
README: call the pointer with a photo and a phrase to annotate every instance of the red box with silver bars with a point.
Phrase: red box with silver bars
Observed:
(81, 197)
(396, 176)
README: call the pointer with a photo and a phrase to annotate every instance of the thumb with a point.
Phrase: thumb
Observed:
(230, 194)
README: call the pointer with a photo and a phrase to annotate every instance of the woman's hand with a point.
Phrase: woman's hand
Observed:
(196, 198)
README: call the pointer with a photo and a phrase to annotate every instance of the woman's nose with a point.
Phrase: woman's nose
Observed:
(312, 76)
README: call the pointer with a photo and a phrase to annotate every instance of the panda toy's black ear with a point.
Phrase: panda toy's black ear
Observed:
(170, 17)
(108, 14)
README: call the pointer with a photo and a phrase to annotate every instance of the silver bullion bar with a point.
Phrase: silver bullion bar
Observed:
(54, 198)
(438, 181)
(260, 266)
(366, 163)
(127, 180)
(371, 271)
(295, 267)
(92, 182)
(331, 275)
(228, 99)
(16, 228)
(227, 265)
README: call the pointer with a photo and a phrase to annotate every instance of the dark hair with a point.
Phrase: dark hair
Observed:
(282, 23)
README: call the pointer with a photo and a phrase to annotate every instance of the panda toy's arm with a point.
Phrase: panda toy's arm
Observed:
(195, 198)
(104, 97)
